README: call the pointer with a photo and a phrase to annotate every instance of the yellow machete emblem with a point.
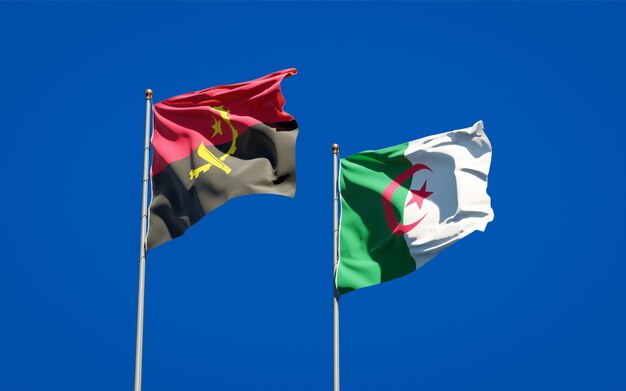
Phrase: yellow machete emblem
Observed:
(208, 156)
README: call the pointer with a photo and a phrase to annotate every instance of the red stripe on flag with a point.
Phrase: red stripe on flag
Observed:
(183, 122)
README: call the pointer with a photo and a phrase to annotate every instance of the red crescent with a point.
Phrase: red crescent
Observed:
(395, 226)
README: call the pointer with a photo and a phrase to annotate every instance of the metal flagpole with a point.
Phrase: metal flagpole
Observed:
(142, 248)
(335, 261)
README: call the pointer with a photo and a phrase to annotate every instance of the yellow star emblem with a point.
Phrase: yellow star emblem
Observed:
(217, 127)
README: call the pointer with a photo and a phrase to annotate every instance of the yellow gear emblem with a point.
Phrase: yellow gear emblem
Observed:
(208, 156)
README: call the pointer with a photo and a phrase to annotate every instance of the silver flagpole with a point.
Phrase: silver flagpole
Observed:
(142, 248)
(335, 261)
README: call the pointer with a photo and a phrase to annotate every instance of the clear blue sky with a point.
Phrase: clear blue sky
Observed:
(243, 301)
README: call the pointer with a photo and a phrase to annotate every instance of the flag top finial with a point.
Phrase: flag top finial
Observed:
(335, 148)
(148, 94)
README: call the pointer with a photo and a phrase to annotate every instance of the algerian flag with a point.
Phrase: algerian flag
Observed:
(403, 205)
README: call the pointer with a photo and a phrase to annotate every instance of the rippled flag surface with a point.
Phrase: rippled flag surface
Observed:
(403, 205)
(212, 145)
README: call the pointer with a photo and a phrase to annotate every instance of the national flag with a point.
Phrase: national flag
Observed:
(216, 144)
(403, 205)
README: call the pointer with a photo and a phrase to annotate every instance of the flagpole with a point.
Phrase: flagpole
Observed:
(142, 248)
(335, 261)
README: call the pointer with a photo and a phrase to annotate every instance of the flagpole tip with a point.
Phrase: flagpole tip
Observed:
(148, 94)
(335, 148)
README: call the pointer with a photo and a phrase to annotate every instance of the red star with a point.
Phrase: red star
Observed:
(419, 196)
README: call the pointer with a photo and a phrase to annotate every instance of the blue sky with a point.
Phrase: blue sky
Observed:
(243, 300)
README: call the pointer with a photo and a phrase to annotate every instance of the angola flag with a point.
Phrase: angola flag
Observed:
(403, 205)
(212, 145)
